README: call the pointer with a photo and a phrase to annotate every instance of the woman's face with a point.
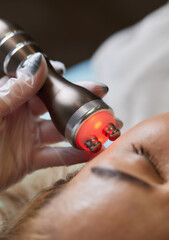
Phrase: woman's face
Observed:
(122, 194)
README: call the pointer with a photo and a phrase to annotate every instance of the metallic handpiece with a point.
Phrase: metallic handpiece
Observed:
(81, 116)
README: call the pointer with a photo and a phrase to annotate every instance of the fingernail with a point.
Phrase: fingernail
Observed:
(60, 71)
(119, 123)
(58, 66)
(32, 63)
(102, 88)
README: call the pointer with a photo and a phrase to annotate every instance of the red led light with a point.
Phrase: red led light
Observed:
(94, 127)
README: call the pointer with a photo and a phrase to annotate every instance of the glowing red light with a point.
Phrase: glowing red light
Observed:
(98, 125)
(94, 127)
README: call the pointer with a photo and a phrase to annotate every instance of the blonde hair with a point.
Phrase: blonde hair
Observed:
(20, 228)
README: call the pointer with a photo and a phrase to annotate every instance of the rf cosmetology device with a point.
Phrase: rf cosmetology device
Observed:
(83, 118)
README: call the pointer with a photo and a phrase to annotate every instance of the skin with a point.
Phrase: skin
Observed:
(107, 207)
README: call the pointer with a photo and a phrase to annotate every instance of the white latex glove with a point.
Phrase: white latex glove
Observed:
(23, 136)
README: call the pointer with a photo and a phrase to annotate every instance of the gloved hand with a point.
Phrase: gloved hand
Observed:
(23, 136)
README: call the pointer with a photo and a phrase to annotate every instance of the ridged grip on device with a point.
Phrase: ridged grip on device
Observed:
(61, 97)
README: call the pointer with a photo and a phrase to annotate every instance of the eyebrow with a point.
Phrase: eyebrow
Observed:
(114, 173)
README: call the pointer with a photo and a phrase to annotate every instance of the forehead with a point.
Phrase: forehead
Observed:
(153, 132)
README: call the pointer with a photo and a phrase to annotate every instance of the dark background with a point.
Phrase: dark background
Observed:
(70, 31)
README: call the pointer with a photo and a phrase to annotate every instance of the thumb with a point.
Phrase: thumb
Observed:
(16, 91)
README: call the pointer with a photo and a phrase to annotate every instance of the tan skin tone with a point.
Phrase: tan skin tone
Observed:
(110, 207)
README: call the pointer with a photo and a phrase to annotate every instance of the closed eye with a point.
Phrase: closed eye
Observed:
(152, 160)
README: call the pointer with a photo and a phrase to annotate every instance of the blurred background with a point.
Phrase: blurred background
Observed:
(71, 30)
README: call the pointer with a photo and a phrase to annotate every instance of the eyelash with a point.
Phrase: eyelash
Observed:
(145, 153)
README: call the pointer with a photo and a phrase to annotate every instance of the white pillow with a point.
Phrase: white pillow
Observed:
(134, 63)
